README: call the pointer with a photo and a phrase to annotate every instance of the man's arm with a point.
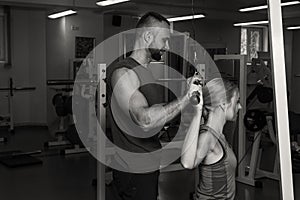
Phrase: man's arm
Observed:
(126, 84)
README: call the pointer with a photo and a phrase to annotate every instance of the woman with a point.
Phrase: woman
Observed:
(206, 147)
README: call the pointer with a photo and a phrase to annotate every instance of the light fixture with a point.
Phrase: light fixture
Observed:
(265, 6)
(251, 23)
(62, 14)
(293, 27)
(71, 11)
(110, 2)
(173, 19)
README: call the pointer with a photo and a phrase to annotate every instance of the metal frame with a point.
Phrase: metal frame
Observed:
(100, 139)
(279, 80)
(166, 80)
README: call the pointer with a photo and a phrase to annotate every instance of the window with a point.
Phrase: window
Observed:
(251, 42)
(3, 37)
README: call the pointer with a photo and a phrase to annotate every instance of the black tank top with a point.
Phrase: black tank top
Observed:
(153, 94)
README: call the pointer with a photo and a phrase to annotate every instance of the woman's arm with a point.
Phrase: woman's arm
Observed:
(195, 146)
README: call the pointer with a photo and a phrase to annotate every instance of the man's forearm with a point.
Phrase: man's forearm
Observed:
(175, 107)
(159, 115)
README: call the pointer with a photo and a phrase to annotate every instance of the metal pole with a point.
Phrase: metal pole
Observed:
(279, 81)
(100, 138)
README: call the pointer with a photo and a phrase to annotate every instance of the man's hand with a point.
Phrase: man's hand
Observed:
(194, 90)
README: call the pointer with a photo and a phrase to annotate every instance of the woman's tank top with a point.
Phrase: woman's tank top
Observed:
(217, 180)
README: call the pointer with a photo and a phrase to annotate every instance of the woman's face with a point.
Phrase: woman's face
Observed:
(233, 107)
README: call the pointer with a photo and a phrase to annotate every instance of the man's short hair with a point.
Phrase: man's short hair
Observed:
(150, 18)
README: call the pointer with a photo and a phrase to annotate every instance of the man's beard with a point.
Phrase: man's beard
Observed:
(155, 54)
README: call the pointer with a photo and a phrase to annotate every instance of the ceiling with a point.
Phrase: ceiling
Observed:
(213, 9)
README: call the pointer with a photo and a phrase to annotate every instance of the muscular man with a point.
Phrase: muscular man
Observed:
(137, 113)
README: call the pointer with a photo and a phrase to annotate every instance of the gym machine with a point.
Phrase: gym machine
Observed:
(59, 101)
(66, 134)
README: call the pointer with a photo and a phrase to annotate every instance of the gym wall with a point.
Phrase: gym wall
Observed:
(212, 33)
(28, 54)
(295, 96)
(111, 27)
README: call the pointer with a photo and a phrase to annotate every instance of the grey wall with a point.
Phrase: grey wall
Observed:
(28, 38)
(295, 96)
(212, 33)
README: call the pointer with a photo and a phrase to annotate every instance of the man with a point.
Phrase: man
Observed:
(136, 111)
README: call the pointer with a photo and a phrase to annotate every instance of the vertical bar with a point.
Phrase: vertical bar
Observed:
(279, 81)
(265, 39)
(254, 155)
(241, 131)
(10, 101)
(100, 138)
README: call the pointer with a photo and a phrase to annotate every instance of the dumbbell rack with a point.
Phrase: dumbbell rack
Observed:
(9, 119)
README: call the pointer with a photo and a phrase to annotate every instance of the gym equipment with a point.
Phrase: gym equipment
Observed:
(69, 82)
(66, 136)
(77, 145)
(254, 170)
(195, 98)
(9, 119)
(255, 120)
(63, 107)
(18, 158)
(3, 139)
(58, 102)
(60, 82)
(263, 94)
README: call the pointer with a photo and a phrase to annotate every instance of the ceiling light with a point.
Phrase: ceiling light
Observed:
(293, 27)
(110, 2)
(251, 23)
(61, 14)
(265, 6)
(173, 19)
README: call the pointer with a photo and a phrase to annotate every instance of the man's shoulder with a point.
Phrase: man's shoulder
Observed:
(124, 63)
(122, 71)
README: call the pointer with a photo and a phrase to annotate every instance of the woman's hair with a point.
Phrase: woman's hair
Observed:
(216, 92)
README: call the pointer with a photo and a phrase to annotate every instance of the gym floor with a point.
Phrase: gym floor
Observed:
(70, 177)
